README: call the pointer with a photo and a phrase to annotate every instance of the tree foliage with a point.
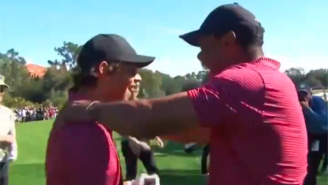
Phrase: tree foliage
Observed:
(52, 87)
(314, 78)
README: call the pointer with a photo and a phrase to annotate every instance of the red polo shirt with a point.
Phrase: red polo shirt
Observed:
(258, 133)
(82, 154)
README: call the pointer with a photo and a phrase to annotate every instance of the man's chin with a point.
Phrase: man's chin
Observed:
(120, 97)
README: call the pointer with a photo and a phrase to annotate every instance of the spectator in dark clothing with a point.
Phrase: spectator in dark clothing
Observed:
(324, 168)
(315, 114)
(206, 153)
(190, 147)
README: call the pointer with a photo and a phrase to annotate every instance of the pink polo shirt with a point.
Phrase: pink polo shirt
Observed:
(82, 154)
(258, 133)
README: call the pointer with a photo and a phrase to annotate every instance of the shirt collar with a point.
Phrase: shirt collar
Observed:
(264, 61)
(74, 96)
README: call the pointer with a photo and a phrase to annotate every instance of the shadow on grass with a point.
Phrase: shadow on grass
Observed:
(172, 148)
(181, 177)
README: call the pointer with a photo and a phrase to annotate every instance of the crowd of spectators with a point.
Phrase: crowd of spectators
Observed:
(27, 114)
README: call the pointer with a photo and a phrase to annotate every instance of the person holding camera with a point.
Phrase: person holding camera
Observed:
(315, 114)
(324, 167)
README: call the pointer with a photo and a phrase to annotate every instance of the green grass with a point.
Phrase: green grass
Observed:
(177, 168)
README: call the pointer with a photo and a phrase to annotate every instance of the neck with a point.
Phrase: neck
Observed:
(133, 98)
(94, 94)
(254, 54)
(249, 55)
(243, 56)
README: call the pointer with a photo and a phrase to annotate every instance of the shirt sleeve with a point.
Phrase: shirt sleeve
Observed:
(224, 99)
(13, 148)
(88, 158)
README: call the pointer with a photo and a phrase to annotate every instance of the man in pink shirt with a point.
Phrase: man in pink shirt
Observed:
(257, 130)
(85, 153)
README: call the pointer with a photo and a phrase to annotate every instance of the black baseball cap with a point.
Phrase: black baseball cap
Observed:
(110, 48)
(229, 17)
(304, 88)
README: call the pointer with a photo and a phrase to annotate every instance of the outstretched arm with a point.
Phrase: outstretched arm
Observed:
(147, 118)
(207, 106)
(318, 118)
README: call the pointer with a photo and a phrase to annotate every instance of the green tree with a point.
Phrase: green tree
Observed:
(33, 91)
(169, 85)
(297, 75)
(69, 52)
(151, 83)
(12, 67)
(51, 89)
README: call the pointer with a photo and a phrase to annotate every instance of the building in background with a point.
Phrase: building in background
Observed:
(36, 70)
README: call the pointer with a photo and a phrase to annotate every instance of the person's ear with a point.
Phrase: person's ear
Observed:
(103, 69)
(229, 38)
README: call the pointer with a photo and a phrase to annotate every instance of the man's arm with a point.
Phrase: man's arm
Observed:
(13, 148)
(133, 139)
(177, 113)
(148, 118)
(318, 118)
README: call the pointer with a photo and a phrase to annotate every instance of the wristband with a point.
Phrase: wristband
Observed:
(90, 110)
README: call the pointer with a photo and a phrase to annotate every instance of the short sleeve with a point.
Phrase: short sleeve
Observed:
(227, 98)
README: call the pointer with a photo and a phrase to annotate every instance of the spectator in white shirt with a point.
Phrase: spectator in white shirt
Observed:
(8, 145)
(133, 148)
(23, 115)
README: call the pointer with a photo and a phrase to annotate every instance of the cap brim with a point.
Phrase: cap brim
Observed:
(304, 90)
(4, 85)
(139, 60)
(192, 38)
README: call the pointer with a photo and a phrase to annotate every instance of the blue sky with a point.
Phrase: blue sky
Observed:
(296, 30)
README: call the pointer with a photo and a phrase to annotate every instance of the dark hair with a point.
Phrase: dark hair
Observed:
(249, 40)
(85, 73)
(81, 79)
(246, 38)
